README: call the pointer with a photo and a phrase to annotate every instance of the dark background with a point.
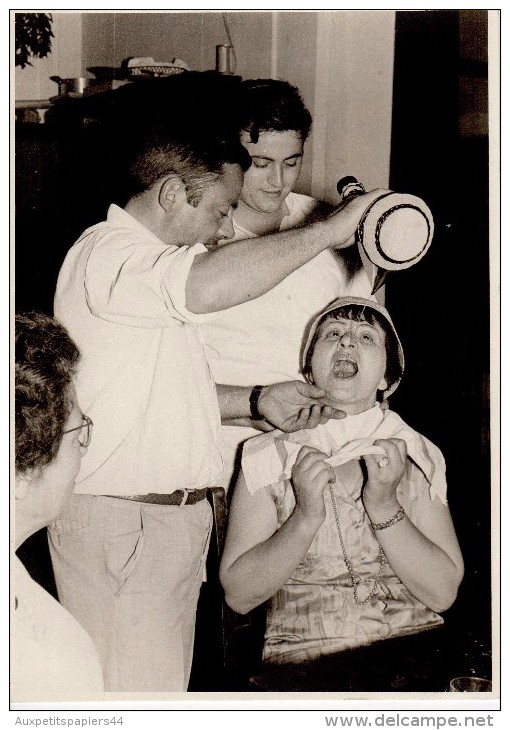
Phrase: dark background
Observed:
(440, 307)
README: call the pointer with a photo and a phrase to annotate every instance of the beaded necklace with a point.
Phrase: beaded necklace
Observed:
(356, 580)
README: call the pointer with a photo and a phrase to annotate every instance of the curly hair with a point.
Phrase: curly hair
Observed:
(45, 361)
(359, 313)
(271, 105)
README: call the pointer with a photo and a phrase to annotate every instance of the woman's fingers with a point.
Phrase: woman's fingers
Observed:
(311, 464)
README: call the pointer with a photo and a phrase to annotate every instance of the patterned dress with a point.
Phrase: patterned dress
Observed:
(315, 612)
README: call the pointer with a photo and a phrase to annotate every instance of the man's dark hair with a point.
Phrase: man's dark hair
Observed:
(187, 124)
(45, 361)
(271, 105)
(360, 313)
(198, 159)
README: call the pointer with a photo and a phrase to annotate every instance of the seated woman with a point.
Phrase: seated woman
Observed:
(345, 528)
(260, 341)
(52, 655)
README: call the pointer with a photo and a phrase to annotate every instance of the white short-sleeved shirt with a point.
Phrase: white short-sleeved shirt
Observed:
(143, 376)
(259, 342)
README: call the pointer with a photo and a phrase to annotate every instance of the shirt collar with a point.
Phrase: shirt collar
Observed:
(120, 218)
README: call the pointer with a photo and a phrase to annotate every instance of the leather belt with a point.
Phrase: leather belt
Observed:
(179, 498)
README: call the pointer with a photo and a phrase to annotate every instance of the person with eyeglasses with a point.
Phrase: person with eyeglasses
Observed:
(52, 654)
(85, 429)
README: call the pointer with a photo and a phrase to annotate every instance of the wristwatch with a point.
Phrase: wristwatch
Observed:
(254, 403)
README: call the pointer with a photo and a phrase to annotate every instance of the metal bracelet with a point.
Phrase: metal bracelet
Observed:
(392, 521)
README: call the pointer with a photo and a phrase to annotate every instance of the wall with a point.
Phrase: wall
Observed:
(353, 99)
(33, 82)
(108, 38)
(342, 62)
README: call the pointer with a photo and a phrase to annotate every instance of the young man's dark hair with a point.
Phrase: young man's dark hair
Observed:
(270, 105)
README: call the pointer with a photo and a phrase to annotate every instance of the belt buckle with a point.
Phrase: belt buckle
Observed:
(184, 497)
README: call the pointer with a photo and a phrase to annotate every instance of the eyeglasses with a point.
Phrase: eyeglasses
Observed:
(85, 437)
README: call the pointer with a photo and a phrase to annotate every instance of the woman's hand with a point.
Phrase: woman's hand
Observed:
(310, 476)
(384, 476)
(422, 550)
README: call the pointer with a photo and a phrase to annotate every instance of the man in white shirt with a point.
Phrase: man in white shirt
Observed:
(129, 554)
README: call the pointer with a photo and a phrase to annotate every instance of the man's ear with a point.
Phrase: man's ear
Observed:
(172, 193)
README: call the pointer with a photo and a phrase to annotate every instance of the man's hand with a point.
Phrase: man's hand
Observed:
(294, 405)
(351, 213)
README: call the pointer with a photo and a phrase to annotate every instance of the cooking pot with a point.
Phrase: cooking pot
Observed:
(74, 86)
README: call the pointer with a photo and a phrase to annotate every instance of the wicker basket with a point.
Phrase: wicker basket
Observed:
(154, 70)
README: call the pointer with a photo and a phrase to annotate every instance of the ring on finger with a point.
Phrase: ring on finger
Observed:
(383, 462)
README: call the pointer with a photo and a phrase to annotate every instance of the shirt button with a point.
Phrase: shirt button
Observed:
(384, 631)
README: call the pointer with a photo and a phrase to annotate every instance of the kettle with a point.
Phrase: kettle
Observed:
(394, 233)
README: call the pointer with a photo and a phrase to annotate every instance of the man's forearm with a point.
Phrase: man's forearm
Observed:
(244, 270)
(289, 406)
(234, 401)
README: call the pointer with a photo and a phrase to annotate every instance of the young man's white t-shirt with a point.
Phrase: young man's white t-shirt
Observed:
(259, 342)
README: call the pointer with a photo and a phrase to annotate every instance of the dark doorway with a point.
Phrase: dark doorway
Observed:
(441, 307)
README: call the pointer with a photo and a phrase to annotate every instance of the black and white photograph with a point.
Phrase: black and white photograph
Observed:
(255, 357)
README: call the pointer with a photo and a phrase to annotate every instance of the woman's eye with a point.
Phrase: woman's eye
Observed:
(334, 334)
(291, 163)
(366, 337)
(259, 163)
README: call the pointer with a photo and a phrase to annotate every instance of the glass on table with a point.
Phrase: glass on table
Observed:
(470, 684)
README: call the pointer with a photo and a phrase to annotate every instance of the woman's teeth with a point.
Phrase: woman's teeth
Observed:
(345, 368)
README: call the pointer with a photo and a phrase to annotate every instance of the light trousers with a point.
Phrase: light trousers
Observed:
(131, 573)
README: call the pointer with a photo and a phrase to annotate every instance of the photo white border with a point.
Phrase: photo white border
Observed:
(225, 711)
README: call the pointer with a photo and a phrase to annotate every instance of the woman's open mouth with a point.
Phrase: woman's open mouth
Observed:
(344, 368)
